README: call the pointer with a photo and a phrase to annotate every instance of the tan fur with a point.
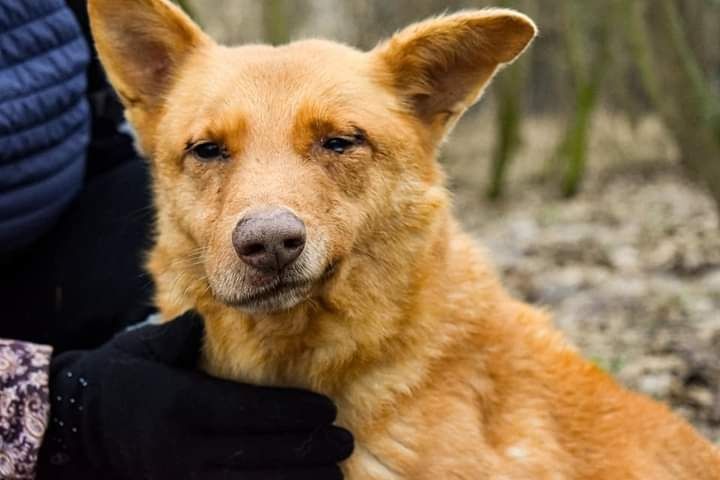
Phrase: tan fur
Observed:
(436, 370)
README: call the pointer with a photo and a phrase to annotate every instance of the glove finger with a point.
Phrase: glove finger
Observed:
(322, 447)
(217, 406)
(175, 343)
(332, 472)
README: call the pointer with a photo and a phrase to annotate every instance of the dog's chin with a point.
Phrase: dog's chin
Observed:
(280, 295)
(283, 296)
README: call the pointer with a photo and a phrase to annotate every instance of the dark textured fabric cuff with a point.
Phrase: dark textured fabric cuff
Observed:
(24, 406)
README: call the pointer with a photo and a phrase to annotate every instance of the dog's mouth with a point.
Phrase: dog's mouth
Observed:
(281, 293)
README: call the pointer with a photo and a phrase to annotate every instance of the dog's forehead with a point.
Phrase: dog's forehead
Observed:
(266, 87)
(286, 74)
(313, 53)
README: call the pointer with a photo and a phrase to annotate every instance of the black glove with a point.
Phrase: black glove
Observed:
(136, 408)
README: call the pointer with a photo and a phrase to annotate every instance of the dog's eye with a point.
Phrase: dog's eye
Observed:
(207, 151)
(342, 144)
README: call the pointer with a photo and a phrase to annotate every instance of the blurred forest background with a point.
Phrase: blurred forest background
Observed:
(590, 170)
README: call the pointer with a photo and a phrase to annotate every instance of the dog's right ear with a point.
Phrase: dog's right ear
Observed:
(441, 66)
(142, 44)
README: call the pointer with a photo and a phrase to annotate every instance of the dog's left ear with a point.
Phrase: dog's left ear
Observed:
(441, 66)
(142, 45)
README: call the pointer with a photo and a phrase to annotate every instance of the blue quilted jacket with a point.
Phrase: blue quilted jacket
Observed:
(44, 116)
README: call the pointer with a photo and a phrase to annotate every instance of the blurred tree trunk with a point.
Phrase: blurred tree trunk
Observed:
(588, 71)
(510, 88)
(276, 21)
(677, 86)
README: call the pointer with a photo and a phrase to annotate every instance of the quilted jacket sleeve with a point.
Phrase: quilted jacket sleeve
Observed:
(44, 117)
(24, 406)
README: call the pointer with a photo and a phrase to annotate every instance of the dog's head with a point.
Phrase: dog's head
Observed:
(276, 167)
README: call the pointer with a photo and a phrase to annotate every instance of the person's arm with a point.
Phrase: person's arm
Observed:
(24, 406)
(111, 143)
(139, 408)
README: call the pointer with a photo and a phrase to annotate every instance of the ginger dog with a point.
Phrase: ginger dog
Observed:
(301, 210)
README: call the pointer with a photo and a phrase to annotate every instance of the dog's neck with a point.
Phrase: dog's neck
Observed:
(374, 327)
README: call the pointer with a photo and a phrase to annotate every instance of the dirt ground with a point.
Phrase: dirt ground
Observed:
(630, 268)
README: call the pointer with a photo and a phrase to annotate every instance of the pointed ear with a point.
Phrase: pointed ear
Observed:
(141, 44)
(441, 66)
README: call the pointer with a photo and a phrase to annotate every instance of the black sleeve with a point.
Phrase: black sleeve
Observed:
(110, 145)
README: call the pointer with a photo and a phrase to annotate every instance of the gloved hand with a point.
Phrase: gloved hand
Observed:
(136, 408)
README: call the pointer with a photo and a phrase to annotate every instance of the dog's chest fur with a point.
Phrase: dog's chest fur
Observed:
(417, 410)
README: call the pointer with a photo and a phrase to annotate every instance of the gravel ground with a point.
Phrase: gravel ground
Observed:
(630, 267)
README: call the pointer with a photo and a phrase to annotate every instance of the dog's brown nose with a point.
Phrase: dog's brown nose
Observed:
(269, 240)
